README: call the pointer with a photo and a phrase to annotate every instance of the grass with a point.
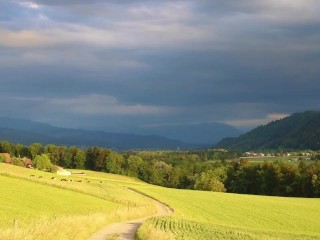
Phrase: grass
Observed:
(110, 187)
(171, 228)
(43, 208)
(209, 215)
(25, 201)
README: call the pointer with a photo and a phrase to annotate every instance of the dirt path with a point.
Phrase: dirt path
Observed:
(126, 230)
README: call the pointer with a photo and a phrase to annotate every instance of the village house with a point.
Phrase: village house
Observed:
(27, 162)
(7, 159)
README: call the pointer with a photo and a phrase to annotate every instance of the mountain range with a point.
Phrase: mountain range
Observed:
(27, 132)
(196, 133)
(297, 131)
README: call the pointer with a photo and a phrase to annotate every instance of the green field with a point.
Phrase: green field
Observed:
(209, 215)
(38, 207)
(26, 201)
(42, 208)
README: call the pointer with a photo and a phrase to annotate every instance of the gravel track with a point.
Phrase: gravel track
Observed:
(127, 230)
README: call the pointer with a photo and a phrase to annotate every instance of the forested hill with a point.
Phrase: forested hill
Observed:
(298, 131)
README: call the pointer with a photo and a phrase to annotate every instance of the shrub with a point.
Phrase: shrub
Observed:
(53, 168)
(17, 162)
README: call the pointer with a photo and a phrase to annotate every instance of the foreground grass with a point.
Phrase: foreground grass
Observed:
(43, 208)
(69, 227)
(209, 215)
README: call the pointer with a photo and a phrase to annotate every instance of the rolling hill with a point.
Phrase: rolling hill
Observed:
(37, 205)
(298, 131)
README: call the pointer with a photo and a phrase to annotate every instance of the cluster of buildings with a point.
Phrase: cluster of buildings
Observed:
(7, 159)
(257, 155)
(307, 155)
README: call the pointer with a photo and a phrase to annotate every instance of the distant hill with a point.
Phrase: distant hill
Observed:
(202, 133)
(27, 132)
(298, 131)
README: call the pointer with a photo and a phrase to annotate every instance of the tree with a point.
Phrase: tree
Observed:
(19, 148)
(73, 151)
(237, 179)
(211, 180)
(100, 163)
(174, 177)
(79, 159)
(114, 163)
(163, 174)
(134, 164)
(269, 175)
(64, 156)
(92, 155)
(7, 147)
(22, 151)
(43, 162)
(52, 151)
(313, 179)
(287, 183)
(35, 149)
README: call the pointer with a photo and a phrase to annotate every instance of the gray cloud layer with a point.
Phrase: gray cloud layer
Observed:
(112, 63)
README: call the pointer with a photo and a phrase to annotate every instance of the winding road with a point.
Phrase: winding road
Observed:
(126, 230)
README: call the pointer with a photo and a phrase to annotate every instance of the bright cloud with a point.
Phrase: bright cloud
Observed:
(31, 5)
(256, 121)
(105, 105)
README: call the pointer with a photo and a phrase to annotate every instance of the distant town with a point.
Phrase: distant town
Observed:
(296, 155)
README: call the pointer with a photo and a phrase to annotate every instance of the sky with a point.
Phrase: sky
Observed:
(122, 64)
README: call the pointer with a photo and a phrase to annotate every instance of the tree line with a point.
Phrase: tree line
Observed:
(211, 170)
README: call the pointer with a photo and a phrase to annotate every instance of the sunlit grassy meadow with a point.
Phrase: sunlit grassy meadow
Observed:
(25, 201)
(43, 208)
(209, 215)
(38, 207)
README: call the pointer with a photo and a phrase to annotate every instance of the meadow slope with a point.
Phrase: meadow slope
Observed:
(39, 207)
(210, 215)
(42, 208)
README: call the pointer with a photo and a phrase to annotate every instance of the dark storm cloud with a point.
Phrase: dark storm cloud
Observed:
(81, 62)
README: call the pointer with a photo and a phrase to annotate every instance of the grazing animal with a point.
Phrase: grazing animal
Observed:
(100, 181)
(53, 178)
(64, 180)
(78, 180)
(70, 180)
(40, 176)
(32, 175)
(88, 181)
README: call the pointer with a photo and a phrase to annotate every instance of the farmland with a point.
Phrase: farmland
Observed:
(39, 207)
(42, 208)
(209, 215)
